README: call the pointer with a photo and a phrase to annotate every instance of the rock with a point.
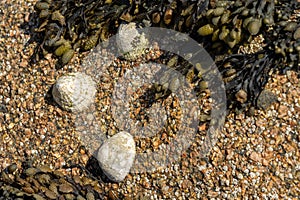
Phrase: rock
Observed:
(266, 99)
(116, 156)
(131, 43)
(65, 188)
(13, 167)
(3, 108)
(241, 96)
(74, 91)
(282, 111)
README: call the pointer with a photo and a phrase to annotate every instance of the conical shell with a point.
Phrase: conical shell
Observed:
(131, 43)
(74, 91)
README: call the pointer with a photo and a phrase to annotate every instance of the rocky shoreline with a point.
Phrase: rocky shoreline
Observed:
(42, 155)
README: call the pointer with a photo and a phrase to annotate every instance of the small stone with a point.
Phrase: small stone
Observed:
(13, 167)
(3, 108)
(77, 179)
(90, 196)
(44, 179)
(116, 156)
(282, 111)
(69, 196)
(28, 190)
(44, 168)
(265, 99)
(53, 188)
(50, 194)
(31, 171)
(37, 197)
(255, 157)
(11, 125)
(241, 96)
(27, 132)
(297, 175)
(79, 197)
(65, 188)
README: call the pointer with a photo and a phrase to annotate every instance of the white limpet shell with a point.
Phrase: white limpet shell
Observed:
(74, 91)
(131, 43)
(116, 156)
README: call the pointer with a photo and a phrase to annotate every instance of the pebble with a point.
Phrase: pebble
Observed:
(13, 167)
(116, 156)
(50, 194)
(31, 171)
(266, 99)
(65, 188)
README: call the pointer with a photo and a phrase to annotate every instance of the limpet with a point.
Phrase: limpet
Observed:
(74, 91)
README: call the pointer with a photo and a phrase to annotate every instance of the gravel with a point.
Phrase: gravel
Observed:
(42, 154)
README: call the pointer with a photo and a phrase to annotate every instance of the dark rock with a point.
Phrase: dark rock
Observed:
(265, 99)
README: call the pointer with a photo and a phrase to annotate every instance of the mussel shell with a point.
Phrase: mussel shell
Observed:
(188, 10)
(230, 72)
(189, 21)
